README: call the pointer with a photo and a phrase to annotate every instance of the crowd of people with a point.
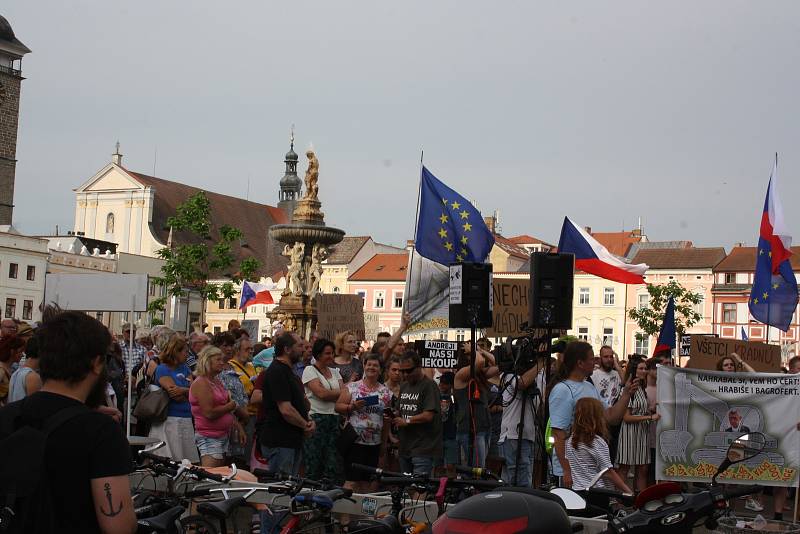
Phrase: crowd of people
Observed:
(315, 406)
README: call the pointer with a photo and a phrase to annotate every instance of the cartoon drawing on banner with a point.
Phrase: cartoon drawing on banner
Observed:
(694, 443)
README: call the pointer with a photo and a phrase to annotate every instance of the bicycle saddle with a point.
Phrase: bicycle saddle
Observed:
(221, 509)
(163, 522)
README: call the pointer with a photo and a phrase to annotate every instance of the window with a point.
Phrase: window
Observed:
(13, 268)
(11, 307)
(583, 333)
(459, 335)
(644, 300)
(221, 304)
(217, 330)
(608, 336)
(729, 313)
(27, 310)
(608, 296)
(31, 274)
(642, 344)
(232, 303)
(700, 306)
(442, 334)
(730, 278)
(362, 294)
(583, 295)
(398, 300)
(336, 289)
(380, 297)
(99, 316)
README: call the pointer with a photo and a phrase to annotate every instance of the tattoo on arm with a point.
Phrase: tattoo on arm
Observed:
(111, 512)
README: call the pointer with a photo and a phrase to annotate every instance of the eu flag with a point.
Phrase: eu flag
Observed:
(773, 298)
(449, 228)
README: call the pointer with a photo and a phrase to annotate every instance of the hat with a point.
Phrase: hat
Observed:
(24, 329)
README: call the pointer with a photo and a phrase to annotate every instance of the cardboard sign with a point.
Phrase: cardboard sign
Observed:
(706, 350)
(251, 327)
(510, 299)
(337, 313)
(371, 326)
(435, 354)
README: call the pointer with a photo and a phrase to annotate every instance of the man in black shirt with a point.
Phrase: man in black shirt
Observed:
(87, 459)
(286, 420)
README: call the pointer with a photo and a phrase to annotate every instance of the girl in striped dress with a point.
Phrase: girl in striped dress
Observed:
(633, 449)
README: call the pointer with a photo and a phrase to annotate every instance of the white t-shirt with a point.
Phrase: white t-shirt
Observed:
(319, 406)
(513, 403)
(608, 384)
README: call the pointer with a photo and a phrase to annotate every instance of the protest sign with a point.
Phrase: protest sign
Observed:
(337, 313)
(510, 306)
(686, 345)
(251, 327)
(705, 351)
(703, 411)
(435, 354)
(427, 296)
(371, 325)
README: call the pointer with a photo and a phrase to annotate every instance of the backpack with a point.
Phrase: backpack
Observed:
(25, 500)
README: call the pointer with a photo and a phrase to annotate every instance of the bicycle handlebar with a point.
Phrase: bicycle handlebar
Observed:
(411, 480)
(171, 464)
(477, 472)
(377, 471)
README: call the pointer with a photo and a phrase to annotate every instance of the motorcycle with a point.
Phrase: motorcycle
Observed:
(662, 508)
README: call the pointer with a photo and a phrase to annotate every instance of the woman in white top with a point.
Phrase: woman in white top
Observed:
(323, 383)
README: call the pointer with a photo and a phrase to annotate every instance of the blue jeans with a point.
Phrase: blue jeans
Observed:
(418, 465)
(478, 452)
(282, 460)
(523, 471)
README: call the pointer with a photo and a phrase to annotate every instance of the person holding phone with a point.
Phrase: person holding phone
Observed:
(363, 404)
(633, 449)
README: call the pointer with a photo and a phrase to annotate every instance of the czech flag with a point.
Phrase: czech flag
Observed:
(666, 338)
(253, 293)
(593, 258)
(773, 298)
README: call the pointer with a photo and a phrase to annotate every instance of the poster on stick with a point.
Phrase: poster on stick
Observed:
(705, 351)
(703, 411)
(251, 327)
(510, 306)
(337, 313)
(437, 354)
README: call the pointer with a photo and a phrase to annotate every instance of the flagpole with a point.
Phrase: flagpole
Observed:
(416, 223)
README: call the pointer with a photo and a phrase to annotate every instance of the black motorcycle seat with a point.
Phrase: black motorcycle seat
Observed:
(163, 522)
(221, 509)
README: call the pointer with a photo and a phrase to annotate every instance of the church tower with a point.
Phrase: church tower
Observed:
(291, 184)
(11, 52)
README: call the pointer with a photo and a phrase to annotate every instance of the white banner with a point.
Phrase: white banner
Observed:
(703, 411)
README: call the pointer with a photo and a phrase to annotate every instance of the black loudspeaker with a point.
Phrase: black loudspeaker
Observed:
(551, 290)
(470, 295)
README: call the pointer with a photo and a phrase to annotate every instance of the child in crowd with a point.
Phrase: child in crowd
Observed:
(586, 450)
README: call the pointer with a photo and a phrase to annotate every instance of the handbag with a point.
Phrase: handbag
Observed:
(346, 439)
(152, 405)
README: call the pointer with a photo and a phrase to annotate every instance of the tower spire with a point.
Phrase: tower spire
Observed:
(290, 184)
(116, 157)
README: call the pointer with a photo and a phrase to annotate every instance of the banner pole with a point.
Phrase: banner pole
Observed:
(414, 247)
(130, 370)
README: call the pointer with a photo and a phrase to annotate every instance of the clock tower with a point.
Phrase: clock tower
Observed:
(11, 52)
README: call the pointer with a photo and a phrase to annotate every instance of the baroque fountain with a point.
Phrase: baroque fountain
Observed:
(306, 240)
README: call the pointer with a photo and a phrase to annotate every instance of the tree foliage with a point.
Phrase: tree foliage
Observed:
(650, 317)
(189, 266)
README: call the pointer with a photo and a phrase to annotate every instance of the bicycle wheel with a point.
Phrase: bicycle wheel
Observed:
(197, 524)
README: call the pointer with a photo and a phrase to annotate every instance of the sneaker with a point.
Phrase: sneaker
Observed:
(754, 505)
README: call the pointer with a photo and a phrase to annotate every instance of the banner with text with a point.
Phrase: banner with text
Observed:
(441, 354)
(427, 294)
(703, 411)
(510, 296)
(705, 351)
(337, 313)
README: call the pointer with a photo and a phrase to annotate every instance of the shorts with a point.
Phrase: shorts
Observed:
(217, 448)
(360, 454)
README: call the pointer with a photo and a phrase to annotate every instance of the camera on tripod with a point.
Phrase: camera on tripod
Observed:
(519, 354)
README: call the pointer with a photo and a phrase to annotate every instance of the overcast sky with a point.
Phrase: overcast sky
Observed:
(603, 111)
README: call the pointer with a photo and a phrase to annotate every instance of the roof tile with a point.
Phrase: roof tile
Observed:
(680, 258)
(382, 268)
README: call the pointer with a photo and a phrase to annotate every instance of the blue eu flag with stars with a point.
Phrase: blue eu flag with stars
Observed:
(449, 228)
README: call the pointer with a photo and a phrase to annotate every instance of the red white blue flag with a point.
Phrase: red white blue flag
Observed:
(666, 338)
(773, 297)
(593, 258)
(253, 293)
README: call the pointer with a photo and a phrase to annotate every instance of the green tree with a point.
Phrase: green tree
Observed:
(189, 266)
(650, 317)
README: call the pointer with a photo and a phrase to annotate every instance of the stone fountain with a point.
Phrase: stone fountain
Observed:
(306, 241)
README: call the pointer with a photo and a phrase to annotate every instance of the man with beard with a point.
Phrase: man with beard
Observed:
(86, 458)
(608, 380)
(286, 420)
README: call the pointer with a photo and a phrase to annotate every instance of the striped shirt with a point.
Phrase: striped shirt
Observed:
(586, 461)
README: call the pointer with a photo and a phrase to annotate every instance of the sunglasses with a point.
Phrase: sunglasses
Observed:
(407, 371)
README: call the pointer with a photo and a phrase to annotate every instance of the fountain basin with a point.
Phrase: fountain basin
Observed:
(306, 233)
